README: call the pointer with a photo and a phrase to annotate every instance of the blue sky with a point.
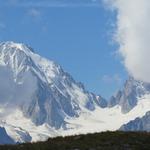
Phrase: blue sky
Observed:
(77, 34)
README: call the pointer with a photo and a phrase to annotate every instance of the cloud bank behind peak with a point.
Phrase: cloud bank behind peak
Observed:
(133, 35)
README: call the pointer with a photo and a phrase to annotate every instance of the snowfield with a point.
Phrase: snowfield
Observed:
(101, 119)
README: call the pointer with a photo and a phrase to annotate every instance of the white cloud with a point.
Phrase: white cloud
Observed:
(12, 93)
(133, 35)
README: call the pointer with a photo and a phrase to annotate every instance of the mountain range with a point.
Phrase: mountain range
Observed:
(38, 99)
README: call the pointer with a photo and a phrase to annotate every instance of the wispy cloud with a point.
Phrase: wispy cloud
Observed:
(23, 91)
(34, 12)
(111, 79)
(51, 3)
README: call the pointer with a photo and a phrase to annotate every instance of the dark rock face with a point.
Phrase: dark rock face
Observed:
(102, 102)
(114, 100)
(4, 138)
(139, 124)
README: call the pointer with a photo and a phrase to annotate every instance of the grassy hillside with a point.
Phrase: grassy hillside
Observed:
(99, 141)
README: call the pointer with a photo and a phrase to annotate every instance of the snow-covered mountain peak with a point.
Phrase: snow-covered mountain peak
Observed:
(128, 97)
(15, 54)
(44, 91)
(21, 58)
(17, 46)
